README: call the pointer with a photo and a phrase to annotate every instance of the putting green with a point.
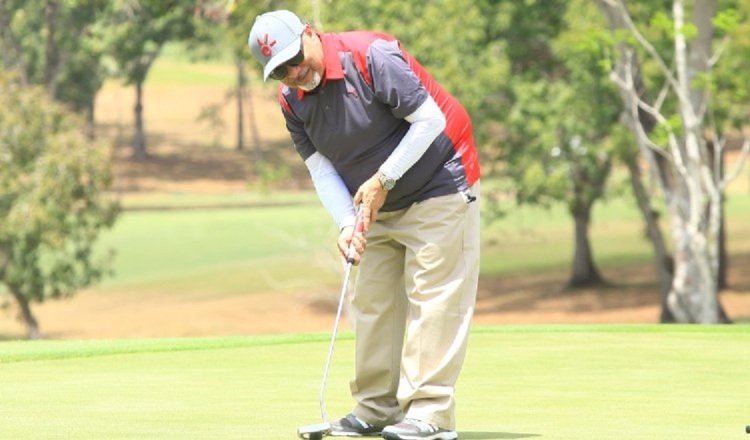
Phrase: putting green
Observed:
(546, 382)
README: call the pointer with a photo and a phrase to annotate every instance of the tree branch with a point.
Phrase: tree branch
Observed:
(745, 151)
(719, 51)
(627, 85)
(620, 7)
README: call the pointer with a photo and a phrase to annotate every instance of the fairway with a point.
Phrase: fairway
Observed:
(546, 382)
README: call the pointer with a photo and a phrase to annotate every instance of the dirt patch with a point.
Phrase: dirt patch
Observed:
(530, 299)
(631, 296)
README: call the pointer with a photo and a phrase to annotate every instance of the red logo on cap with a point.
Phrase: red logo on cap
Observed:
(265, 46)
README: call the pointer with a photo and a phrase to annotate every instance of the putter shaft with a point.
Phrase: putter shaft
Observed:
(333, 341)
(349, 264)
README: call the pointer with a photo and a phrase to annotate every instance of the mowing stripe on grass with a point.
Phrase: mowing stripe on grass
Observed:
(29, 351)
(25, 351)
(617, 328)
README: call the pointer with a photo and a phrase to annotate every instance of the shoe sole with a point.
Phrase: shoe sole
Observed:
(353, 434)
(435, 436)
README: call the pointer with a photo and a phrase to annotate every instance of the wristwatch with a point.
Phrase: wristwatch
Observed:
(387, 182)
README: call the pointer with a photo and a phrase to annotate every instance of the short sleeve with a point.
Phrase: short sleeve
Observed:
(394, 82)
(296, 128)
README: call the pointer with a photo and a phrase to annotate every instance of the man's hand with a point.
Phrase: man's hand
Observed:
(346, 239)
(372, 195)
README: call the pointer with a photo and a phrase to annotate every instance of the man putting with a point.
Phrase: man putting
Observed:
(373, 127)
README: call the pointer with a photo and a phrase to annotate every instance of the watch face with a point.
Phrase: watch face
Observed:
(387, 183)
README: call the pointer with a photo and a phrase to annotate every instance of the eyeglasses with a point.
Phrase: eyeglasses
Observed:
(281, 71)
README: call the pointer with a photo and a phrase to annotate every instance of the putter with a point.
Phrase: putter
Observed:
(320, 430)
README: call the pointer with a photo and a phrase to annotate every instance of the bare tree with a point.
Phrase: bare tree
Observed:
(688, 171)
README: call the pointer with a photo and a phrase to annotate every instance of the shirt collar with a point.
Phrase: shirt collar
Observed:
(331, 62)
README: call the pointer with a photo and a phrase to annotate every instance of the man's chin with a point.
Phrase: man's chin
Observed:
(311, 85)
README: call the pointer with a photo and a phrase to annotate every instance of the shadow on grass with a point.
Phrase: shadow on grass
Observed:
(179, 160)
(469, 435)
(630, 286)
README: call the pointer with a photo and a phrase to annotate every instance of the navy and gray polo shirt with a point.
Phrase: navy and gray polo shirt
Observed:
(355, 118)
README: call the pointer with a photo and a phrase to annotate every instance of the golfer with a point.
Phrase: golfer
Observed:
(373, 127)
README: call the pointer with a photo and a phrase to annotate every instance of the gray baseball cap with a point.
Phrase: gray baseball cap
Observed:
(275, 38)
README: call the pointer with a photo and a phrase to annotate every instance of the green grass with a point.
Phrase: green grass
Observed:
(208, 66)
(185, 73)
(547, 382)
(286, 243)
(177, 66)
(182, 200)
(533, 239)
(223, 250)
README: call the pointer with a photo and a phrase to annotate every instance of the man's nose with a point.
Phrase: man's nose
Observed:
(292, 71)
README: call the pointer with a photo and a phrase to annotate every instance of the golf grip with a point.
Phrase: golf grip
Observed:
(358, 227)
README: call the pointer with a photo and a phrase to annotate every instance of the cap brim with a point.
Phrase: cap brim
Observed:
(281, 57)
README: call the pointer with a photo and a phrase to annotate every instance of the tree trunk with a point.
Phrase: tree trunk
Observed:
(695, 209)
(240, 65)
(139, 137)
(254, 133)
(90, 119)
(693, 297)
(585, 272)
(52, 52)
(663, 263)
(722, 277)
(722, 280)
(32, 325)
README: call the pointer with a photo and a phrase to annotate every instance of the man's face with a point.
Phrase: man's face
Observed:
(303, 71)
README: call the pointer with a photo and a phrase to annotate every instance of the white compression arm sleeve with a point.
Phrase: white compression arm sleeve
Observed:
(331, 190)
(426, 124)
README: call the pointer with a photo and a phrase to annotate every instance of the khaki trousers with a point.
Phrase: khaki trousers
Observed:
(411, 310)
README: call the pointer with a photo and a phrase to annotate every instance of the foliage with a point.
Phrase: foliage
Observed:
(138, 29)
(562, 110)
(729, 89)
(452, 39)
(52, 205)
(56, 44)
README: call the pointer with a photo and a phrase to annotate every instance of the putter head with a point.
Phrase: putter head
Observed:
(314, 432)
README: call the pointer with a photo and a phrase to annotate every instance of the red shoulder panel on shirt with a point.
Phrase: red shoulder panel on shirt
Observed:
(357, 43)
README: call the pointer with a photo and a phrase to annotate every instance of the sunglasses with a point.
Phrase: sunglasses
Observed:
(281, 72)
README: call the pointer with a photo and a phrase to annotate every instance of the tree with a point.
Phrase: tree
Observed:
(678, 150)
(239, 19)
(52, 204)
(55, 44)
(561, 142)
(450, 39)
(136, 33)
(663, 261)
